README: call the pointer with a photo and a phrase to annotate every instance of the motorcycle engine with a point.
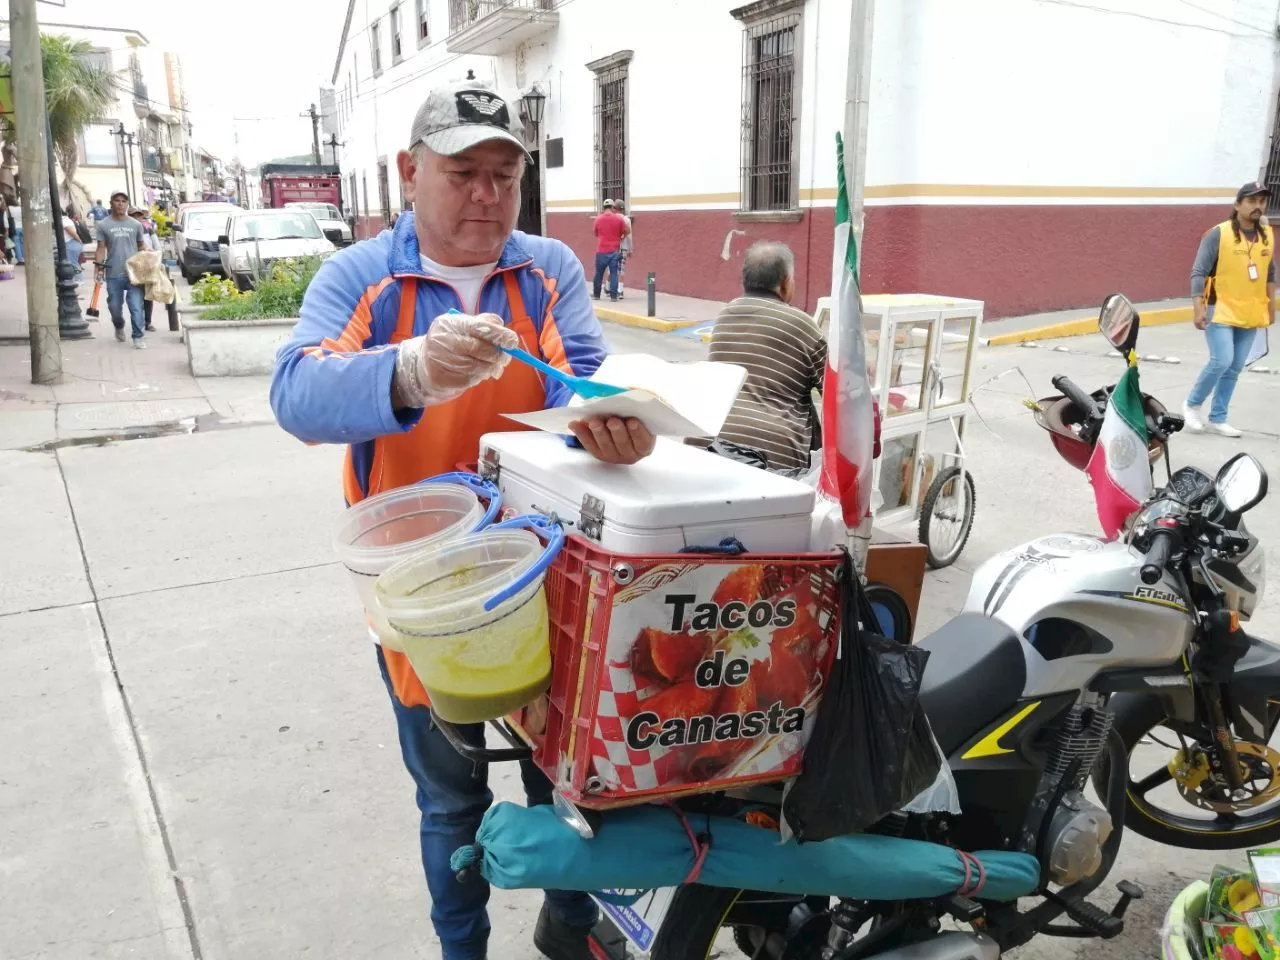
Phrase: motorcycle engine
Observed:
(1075, 838)
(1078, 829)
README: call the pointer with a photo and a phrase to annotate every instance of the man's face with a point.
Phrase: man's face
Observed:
(118, 206)
(465, 206)
(1251, 209)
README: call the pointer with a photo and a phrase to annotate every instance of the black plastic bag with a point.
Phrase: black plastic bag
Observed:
(871, 751)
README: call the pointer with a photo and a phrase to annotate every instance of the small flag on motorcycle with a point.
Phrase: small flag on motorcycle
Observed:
(1119, 467)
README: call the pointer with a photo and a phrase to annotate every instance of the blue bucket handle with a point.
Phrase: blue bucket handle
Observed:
(548, 530)
(482, 488)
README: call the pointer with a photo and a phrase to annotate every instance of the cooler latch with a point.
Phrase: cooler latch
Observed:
(591, 517)
(489, 465)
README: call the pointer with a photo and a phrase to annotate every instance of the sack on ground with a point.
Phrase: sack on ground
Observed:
(871, 751)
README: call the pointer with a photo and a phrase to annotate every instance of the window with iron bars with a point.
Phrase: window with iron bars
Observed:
(1271, 178)
(375, 47)
(769, 55)
(611, 131)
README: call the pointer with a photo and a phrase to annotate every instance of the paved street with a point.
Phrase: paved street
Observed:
(207, 763)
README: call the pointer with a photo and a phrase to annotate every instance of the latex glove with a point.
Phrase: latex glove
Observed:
(456, 353)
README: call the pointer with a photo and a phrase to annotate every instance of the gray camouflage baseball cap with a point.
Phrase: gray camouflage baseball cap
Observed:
(459, 115)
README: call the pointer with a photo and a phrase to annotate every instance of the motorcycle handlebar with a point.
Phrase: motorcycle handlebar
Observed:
(1163, 541)
(1077, 396)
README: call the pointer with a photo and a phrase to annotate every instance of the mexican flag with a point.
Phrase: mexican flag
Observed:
(1119, 468)
(847, 419)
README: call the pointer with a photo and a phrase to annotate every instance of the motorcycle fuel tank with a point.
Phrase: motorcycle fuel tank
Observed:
(1081, 607)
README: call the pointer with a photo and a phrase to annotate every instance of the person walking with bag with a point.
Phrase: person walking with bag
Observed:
(1233, 290)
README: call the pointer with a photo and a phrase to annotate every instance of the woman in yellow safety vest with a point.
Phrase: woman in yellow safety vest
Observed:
(1233, 289)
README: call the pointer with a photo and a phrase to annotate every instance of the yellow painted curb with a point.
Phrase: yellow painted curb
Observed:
(1085, 325)
(644, 323)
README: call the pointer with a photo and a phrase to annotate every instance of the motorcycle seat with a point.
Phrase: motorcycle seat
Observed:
(976, 671)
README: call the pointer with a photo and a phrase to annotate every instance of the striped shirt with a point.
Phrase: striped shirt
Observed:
(785, 356)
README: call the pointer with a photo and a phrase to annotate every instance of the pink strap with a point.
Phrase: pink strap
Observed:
(700, 849)
(973, 885)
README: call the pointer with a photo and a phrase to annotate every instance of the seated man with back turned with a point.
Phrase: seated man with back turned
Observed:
(785, 356)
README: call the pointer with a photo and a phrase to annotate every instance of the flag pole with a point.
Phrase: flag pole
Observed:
(857, 94)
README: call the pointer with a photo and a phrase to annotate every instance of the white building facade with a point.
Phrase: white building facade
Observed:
(151, 161)
(1032, 155)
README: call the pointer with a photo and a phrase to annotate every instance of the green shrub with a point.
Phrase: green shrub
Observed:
(277, 293)
(210, 289)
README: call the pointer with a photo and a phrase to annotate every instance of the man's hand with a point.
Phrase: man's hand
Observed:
(456, 353)
(1199, 314)
(614, 440)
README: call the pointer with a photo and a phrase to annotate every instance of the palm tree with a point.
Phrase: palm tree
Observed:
(77, 93)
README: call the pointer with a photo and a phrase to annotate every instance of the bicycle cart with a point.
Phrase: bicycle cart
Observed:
(920, 350)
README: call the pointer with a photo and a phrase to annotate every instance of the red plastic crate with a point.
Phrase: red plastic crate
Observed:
(579, 733)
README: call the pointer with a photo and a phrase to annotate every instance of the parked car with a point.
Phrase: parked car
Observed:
(195, 238)
(254, 240)
(330, 219)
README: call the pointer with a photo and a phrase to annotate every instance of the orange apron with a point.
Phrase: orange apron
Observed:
(449, 434)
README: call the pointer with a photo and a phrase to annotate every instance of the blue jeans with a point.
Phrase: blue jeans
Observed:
(611, 261)
(1228, 350)
(74, 249)
(117, 289)
(453, 795)
(17, 246)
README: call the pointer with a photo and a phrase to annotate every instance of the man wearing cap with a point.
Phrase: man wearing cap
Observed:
(609, 229)
(1233, 291)
(396, 354)
(120, 237)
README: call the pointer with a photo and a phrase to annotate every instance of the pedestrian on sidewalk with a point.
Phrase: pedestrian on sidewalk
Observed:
(624, 251)
(610, 229)
(75, 246)
(1233, 290)
(98, 211)
(120, 237)
(784, 354)
(15, 212)
(152, 240)
(382, 360)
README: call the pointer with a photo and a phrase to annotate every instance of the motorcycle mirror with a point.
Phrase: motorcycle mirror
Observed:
(1118, 322)
(1241, 483)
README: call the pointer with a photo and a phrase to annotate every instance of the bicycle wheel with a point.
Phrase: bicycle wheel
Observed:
(946, 516)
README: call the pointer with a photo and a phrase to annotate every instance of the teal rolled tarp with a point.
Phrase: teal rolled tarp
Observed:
(643, 848)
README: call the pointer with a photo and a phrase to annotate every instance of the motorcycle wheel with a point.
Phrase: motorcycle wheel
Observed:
(693, 922)
(1227, 831)
(945, 532)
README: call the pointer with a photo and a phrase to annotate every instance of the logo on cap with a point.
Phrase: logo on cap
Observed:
(476, 106)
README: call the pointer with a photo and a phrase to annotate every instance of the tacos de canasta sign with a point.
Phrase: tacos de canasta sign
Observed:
(714, 673)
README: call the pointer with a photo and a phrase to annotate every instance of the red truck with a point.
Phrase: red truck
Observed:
(292, 182)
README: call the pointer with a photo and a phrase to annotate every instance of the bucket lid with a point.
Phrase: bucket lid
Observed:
(512, 547)
(366, 537)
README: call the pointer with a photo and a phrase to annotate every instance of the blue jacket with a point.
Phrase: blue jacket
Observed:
(332, 381)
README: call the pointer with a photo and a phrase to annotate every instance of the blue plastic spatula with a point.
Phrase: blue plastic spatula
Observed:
(587, 389)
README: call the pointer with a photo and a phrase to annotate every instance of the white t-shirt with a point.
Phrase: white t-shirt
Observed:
(466, 280)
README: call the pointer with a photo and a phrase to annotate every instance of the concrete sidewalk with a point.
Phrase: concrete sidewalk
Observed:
(672, 312)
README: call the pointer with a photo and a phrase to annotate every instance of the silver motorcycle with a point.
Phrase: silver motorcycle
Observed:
(1074, 656)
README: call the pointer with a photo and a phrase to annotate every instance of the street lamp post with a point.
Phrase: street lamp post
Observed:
(71, 325)
(532, 106)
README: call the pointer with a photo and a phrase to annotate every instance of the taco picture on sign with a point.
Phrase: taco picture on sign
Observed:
(728, 661)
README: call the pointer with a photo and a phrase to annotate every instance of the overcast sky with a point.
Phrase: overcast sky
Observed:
(259, 60)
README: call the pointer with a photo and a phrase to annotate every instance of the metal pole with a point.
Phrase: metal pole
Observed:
(857, 91)
(315, 134)
(28, 91)
(71, 325)
(651, 291)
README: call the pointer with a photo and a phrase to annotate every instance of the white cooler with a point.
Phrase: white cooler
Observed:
(680, 496)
